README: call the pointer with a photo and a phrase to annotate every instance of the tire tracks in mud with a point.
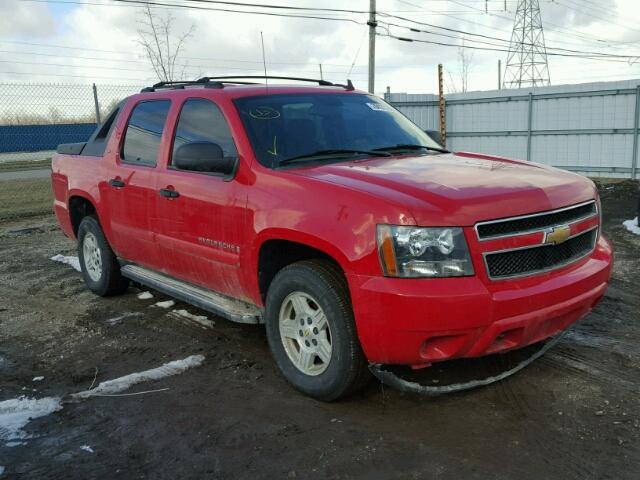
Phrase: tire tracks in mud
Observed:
(514, 392)
(584, 367)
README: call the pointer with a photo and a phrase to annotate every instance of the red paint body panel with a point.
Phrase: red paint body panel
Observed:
(335, 208)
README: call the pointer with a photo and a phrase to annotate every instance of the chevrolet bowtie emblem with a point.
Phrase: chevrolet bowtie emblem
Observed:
(557, 235)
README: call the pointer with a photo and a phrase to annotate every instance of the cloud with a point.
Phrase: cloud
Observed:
(26, 20)
(229, 43)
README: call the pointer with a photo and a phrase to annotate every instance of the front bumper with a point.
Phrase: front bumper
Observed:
(420, 321)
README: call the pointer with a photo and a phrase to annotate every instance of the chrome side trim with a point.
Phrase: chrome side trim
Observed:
(229, 308)
(531, 247)
(530, 215)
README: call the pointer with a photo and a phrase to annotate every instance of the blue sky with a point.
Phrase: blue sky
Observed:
(59, 10)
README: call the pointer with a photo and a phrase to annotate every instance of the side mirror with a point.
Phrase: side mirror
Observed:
(435, 136)
(206, 157)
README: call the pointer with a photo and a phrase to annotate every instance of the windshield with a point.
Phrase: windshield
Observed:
(334, 126)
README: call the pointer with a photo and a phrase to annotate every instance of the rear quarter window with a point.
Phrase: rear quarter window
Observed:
(98, 141)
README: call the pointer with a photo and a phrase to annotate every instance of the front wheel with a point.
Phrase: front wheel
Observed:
(99, 264)
(311, 330)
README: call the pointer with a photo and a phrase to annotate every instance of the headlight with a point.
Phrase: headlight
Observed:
(423, 252)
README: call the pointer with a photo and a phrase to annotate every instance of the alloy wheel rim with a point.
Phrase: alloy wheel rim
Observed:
(305, 333)
(92, 257)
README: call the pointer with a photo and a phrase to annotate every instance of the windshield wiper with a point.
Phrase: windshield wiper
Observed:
(410, 147)
(334, 151)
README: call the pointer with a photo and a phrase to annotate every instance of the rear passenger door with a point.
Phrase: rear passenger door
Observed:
(130, 188)
(200, 228)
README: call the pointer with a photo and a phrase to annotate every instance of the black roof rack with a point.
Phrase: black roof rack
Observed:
(180, 85)
(219, 82)
(323, 83)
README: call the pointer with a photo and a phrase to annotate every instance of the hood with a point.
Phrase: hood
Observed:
(459, 188)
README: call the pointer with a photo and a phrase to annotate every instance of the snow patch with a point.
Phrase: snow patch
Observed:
(145, 295)
(71, 261)
(17, 412)
(115, 320)
(632, 226)
(167, 304)
(121, 384)
(37, 379)
(86, 448)
(200, 319)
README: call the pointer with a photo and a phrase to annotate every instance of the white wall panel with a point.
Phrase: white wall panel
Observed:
(602, 106)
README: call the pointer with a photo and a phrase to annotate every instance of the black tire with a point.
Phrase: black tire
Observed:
(346, 372)
(110, 281)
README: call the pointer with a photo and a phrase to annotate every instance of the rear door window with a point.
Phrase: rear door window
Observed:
(202, 121)
(144, 132)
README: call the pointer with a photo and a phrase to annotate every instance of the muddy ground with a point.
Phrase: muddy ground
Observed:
(575, 413)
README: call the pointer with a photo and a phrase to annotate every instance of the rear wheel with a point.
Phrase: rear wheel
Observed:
(100, 267)
(312, 333)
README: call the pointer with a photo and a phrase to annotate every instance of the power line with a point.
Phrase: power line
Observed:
(113, 60)
(19, 62)
(594, 9)
(148, 79)
(506, 42)
(581, 36)
(159, 3)
(471, 33)
(432, 42)
(154, 3)
(205, 5)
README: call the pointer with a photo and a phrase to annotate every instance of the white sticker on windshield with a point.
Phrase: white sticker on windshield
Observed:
(378, 107)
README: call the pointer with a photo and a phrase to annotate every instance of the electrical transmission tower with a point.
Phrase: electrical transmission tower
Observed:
(527, 64)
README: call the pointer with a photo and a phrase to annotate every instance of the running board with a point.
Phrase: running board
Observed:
(229, 308)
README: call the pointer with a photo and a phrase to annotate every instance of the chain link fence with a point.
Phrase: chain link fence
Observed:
(36, 117)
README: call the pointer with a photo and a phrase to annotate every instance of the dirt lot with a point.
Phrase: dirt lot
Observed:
(575, 413)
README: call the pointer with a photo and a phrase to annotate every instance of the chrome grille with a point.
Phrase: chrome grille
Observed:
(535, 222)
(540, 258)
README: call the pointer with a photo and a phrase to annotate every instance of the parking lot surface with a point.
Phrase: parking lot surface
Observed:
(575, 413)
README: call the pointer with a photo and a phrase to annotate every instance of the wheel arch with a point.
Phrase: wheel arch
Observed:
(281, 248)
(80, 205)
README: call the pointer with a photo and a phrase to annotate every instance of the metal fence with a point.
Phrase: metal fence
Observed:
(587, 128)
(35, 118)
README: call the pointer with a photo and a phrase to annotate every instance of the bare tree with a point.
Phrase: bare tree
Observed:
(465, 63)
(162, 47)
(460, 83)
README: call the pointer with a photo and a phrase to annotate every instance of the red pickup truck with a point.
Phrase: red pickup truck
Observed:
(327, 215)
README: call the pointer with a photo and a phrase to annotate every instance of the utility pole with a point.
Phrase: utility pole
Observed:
(499, 74)
(321, 77)
(441, 107)
(372, 45)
